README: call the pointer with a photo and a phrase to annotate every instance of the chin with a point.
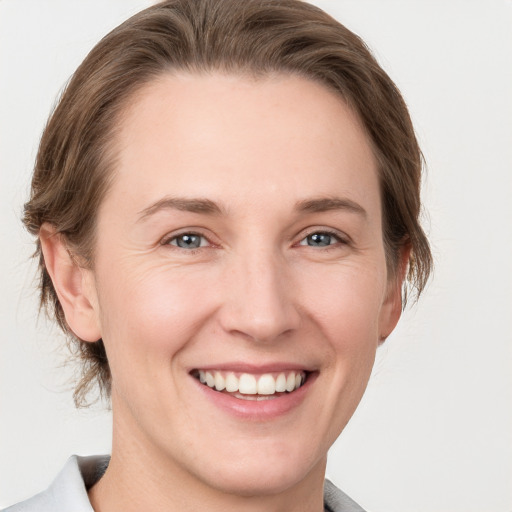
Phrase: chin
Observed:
(265, 472)
(257, 481)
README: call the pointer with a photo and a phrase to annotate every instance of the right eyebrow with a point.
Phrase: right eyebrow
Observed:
(194, 205)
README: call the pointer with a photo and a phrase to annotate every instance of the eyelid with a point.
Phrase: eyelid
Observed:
(342, 237)
(165, 240)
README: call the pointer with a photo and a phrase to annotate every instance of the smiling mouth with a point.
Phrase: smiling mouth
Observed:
(247, 386)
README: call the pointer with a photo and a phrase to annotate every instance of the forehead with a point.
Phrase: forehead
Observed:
(218, 136)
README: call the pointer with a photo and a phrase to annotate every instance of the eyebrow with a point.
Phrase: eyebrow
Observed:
(325, 204)
(194, 205)
(209, 207)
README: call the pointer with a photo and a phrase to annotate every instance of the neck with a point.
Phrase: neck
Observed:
(140, 477)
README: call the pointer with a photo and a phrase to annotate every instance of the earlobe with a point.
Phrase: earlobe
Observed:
(73, 285)
(392, 307)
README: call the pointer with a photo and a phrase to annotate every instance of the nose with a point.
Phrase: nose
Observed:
(259, 298)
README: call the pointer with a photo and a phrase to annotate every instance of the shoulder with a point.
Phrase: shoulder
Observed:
(336, 500)
(69, 489)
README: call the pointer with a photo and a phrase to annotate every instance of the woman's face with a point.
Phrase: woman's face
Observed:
(241, 243)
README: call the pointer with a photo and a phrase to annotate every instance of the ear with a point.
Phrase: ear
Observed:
(74, 285)
(392, 306)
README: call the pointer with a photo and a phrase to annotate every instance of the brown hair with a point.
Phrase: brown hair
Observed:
(256, 37)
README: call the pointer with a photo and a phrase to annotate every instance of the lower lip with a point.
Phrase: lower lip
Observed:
(257, 410)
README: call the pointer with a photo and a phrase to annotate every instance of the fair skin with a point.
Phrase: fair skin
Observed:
(241, 236)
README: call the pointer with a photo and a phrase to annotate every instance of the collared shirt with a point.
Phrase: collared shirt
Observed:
(68, 492)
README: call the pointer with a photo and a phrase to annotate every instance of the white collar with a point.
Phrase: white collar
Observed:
(68, 492)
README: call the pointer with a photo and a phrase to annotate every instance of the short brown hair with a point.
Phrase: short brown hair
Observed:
(255, 37)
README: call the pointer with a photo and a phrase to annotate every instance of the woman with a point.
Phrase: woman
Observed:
(226, 202)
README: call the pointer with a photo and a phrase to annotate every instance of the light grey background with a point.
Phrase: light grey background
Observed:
(433, 432)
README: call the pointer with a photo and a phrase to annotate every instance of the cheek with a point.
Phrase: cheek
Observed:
(151, 313)
(347, 313)
(344, 312)
(346, 303)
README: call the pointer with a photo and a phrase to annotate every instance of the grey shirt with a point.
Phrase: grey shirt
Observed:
(68, 492)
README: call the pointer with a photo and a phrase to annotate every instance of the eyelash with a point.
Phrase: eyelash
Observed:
(167, 241)
(340, 239)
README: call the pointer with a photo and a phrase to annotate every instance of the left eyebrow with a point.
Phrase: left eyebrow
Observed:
(325, 204)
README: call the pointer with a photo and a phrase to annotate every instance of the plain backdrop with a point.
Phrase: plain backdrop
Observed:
(434, 431)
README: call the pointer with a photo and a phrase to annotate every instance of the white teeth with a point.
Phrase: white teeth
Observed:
(248, 384)
(231, 383)
(220, 382)
(266, 385)
(210, 380)
(281, 383)
(290, 382)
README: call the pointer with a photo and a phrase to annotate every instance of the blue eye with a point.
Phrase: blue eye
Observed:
(320, 239)
(188, 241)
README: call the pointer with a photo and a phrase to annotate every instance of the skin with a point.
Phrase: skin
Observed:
(255, 291)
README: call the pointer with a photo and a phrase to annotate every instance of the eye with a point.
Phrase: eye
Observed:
(188, 241)
(321, 239)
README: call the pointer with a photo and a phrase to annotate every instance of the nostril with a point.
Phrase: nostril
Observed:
(260, 306)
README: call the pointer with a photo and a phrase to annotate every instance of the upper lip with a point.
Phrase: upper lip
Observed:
(240, 367)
